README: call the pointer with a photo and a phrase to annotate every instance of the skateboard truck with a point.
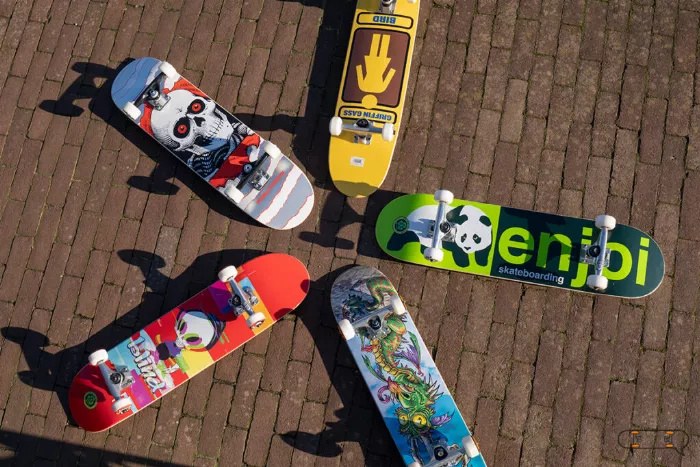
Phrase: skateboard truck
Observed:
(443, 457)
(389, 6)
(243, 300)
(254, 174)
(441, 229)
(373, 321)
(116, 380)
(363, 130)
(598, 254)
(152, 94)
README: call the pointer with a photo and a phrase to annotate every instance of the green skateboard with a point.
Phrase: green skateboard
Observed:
(599, 257)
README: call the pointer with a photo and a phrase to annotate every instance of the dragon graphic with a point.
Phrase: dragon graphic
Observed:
(398, 364)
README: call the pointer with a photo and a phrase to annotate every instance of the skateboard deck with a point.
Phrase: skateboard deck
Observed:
(521, 245)
(405, 384)
(250, 171)
(187, 340)
(372, 96)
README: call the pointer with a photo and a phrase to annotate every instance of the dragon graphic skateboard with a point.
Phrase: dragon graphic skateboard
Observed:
(417, 407)
(244, 302)
(250, 171)
(594, 256)
(367, 117)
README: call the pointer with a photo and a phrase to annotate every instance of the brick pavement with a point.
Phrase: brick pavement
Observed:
(569, 106)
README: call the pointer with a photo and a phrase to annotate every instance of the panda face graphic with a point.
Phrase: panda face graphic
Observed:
(473, 230)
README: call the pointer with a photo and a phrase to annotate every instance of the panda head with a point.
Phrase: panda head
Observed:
(473, 229)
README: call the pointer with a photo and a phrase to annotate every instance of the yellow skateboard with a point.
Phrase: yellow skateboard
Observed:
(367, 116)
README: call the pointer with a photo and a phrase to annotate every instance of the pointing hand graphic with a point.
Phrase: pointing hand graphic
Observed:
(376, 64)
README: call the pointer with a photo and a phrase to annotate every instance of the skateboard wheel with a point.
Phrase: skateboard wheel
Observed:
(412, 1)
(97, 357)
(272, 150)
(597, 282)
(228, 273)
(336, 126)
(121, 406)
(131, 110)
(388, 132)
(397, 305)
(255, 320)
(346, 329)
(168, 70)
(234, 193)
(444, 196)
(470, 447)
(434, 255)
(415, 464)
(605, 222)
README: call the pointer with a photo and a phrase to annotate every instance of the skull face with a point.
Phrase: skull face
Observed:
(474, 230)
(191, 123)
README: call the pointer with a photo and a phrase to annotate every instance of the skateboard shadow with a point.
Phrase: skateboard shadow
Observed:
(28, 447)
(94, 83)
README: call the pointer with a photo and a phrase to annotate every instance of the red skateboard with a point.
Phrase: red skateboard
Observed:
(117, 383)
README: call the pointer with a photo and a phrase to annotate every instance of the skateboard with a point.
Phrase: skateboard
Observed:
(407, 388)
(245, 301)
(593, 256)
(367, 116)
(248, 170)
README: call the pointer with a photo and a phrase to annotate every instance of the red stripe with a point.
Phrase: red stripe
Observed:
(274, 182)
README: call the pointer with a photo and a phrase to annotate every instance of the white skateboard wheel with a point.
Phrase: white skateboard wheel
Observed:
(414, 464)
(131, 110)
(434, 255)
(444, 196)
(605, 222)
(271, 149)
(597, 282)
(255, 320)
(234, 193)
(97, 357)
(122, 405)
(346, 329)
(397, 305)
(228, 273)
(388, 132)
(470, 447)
(168, 70)
(336, 126)
(412, 1)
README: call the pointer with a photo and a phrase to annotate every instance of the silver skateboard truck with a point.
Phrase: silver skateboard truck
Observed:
(152, 94)
(240, 300)
(362, 128)
(373, 321)
(388, 7)
(254, 174)
(442, 457)
(598, 254)
(441, 228)
(116, 381)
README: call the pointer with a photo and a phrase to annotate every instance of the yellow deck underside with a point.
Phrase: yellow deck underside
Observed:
(351, 179)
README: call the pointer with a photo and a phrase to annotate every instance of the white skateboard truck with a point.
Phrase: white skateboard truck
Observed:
(373, 321)
(116, 380)
(255, 174)
(598, 254)
(441, 228)
(242, 301)
(363, 129)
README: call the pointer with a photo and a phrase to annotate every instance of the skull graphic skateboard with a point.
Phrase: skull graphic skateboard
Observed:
(245, 301)
(595, 256)
(248, 170)
(364, 129)
(405, 384)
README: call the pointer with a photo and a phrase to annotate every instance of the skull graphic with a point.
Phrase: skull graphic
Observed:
(194, 127)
